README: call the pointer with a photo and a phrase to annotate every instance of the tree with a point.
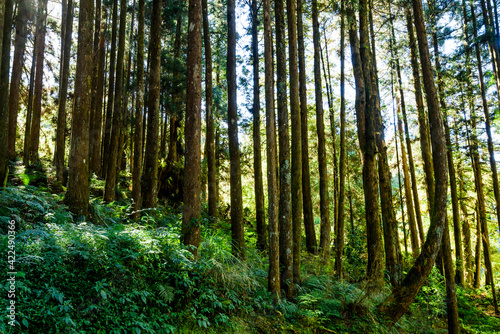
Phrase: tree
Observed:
(77, 194)
(311, 244)
(139, 110)
(324, 240)
(237, 233)
(210, 140)
(259, 184)
(17, 68)
(396, 304)
(4, 91)
(272, 186)
(60, 150)
(339, 228)
(151, 158)
(296, 168)
(37, 102)
(285, 223)
(116, 127)
(191, 232)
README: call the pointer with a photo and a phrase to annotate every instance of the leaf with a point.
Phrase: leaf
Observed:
(25, 322)
(104, 295)
(144, 299)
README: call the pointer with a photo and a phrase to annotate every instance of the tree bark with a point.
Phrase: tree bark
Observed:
(139, 111)
(111, 174)
(17, 69)
(401, 298)
(423, 125)
(111, 90)
(285, 223)
(77, 194)
(150, 179)
(296, 171)
(4, 91)
(311, 243)
(339, 227)
(63, 95)
(210, 138)
(37, 102)
(273, 284)
(325, 238)
(237, 232)
(191, 227)
(259, 183)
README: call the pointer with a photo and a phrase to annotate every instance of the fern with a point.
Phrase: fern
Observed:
(166, 292)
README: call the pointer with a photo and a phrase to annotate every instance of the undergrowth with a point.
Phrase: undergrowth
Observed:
(113, 275)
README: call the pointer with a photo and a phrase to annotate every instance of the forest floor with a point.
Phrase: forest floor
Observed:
(110, 274)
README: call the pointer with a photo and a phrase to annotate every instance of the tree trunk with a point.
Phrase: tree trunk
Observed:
(324, 240)
(111, 89)
(296, 171)
(259, 183)
(311, 243)
(285, 223)
(4, 91)
(17, 69)
(96, 135)
(138, 138)
(479, 186)
(423, 124)
(37, 103)
(77, 194)
(191, 227)
(63, 95)
(401, 298)
(29, 109)
(415, 245)
(451, 293)
(273, 283)
(111, 174)
(210, 152)
(237, 232)
(95, 113)
(150, 178)
(339, 227)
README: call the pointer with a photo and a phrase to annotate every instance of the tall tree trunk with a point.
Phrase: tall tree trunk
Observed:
(339, 227)
(324, 239)
(237, 232)
(423, 125)
(390, 224)
(210, 151)
(416, 202)
(191, 227)
(29, 109)
(96, 135)
(285, 223)
(106, 144)
(4, 91)
(311, 243)
(95, 114)
(17, 69)
(451, 293)
(273, 283)
(63, 95)
(150, 178)
(111, 173)
(481, 200)
(259, 183)
(139, 106)
(401, 298)
(415, 245)
(296, 171)
(77, 194)
(37, 102)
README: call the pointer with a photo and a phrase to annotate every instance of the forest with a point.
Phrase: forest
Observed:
(251, 166)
